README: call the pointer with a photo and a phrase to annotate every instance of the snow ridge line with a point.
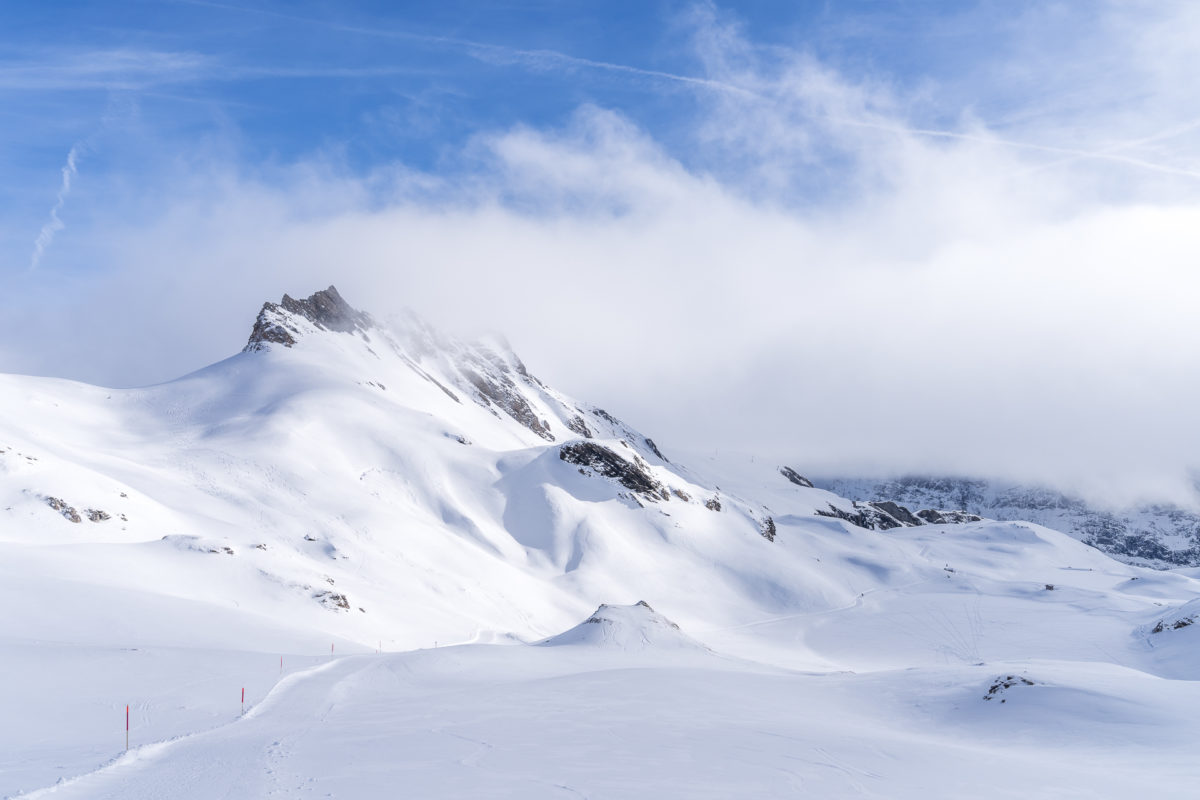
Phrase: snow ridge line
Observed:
(154, 749)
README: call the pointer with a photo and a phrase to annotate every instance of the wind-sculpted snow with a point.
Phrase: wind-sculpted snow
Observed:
(626, 628)
(309, 505)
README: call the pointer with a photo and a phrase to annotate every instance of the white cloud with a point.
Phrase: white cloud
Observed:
(820, 280)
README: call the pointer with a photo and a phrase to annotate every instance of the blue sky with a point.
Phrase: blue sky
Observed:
(767, 191)
(365, 84)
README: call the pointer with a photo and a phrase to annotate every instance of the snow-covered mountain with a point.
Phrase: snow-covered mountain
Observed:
(341, 473)
(1157, 535)
(315, 518)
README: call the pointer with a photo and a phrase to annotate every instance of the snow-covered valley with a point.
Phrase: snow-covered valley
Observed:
(423, 566)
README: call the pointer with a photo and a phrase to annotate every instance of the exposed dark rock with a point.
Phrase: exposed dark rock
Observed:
(325, 309)
(607, 417)
(269, 328)
(768, 529)
(96, 515)
(712, 504)
(942, 517)
(510, 400)
(61, 507)
(898, 513)
(1007, 682)
(604, 461)
(577, 425)
(795, 477)
(867, 517)
(1174, 625)
(654, 449)
(682, 495)
(332, 600)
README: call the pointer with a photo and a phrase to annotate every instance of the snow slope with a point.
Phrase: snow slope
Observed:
(357, 486)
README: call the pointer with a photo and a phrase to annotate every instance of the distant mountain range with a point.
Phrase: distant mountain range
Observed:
(1161, 536)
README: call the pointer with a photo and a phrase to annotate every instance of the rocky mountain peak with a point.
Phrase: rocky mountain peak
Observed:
(326, 310)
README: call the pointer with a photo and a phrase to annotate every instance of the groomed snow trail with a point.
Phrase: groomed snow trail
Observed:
(532, 722)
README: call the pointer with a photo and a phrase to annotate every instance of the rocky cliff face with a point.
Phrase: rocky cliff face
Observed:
(324, 310)
(1161, 536)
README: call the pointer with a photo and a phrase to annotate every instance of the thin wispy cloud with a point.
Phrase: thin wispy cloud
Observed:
(545, 59)
(125, 69)
(55, 223)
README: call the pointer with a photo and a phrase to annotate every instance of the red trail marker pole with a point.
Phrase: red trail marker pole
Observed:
(243, 699)
(126, 728)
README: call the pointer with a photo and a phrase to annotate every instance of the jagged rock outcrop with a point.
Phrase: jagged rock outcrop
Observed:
(325, 309)
(62, 507)
(504, 394)
(863, 516)
(577, 425)
(886, 515)
(795, 477)
(654, 449)
(934, 517)
(898, 513)
(768, 529)
(598, 458)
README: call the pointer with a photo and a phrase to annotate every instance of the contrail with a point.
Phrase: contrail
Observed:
(55, 223)
(479, 49)
(1105, 154)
